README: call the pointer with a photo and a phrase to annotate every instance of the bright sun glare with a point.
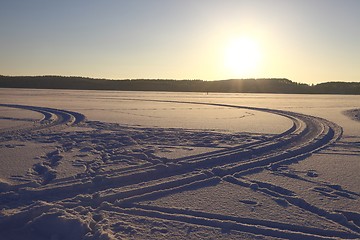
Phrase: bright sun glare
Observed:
(242, 57)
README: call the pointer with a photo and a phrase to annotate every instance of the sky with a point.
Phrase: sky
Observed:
(308, 41)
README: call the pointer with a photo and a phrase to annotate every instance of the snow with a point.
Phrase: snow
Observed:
(156, 165)
(353, 114)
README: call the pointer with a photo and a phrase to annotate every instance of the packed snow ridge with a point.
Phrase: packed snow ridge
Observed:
(88, 179)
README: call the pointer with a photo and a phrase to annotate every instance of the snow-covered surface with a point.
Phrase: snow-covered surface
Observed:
(155, 165)
(353, 114)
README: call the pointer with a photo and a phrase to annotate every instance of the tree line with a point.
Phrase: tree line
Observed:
(263, 85)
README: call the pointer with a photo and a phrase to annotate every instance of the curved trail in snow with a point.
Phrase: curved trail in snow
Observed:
(125, 189)
(51, 118)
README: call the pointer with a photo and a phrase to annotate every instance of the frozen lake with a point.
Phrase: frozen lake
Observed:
(156, 165)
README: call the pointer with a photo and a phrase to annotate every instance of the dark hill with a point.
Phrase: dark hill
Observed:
(273, 85)
(337, 88)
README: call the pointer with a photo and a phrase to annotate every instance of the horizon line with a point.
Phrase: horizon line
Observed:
(174, 79)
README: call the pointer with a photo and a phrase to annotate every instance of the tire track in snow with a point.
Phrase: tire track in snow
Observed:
(307, 135)
(51, 118)
(310, 134)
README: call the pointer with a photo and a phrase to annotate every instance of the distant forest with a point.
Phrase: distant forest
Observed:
(267, 85)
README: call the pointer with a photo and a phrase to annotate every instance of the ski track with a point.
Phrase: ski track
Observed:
(123, 189)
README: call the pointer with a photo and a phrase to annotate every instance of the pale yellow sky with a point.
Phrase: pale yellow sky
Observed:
(305, 41)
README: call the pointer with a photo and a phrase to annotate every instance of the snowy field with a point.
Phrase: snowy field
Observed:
(148, 165)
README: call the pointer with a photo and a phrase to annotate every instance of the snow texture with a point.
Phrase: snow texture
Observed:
(134, 165)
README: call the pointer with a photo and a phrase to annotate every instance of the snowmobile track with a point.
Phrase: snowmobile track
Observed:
(125, 189)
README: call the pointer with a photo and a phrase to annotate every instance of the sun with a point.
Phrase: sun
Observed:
(242, 57)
